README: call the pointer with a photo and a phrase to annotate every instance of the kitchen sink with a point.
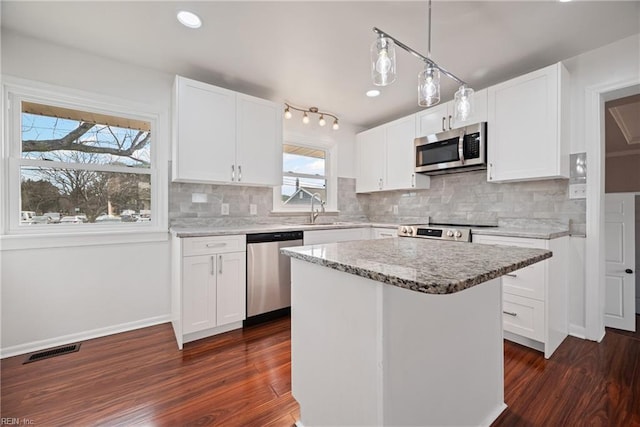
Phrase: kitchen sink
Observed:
(328, 223)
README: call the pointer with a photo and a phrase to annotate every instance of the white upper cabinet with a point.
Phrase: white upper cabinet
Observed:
(441, 118)
(259, 141)
(224, 136)
(204, 146)
(370, 148)
(386, 159)
(528, 130)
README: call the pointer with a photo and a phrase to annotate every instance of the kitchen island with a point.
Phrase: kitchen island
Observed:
(399, 331)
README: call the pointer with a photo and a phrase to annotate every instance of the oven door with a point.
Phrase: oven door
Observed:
(440, 151)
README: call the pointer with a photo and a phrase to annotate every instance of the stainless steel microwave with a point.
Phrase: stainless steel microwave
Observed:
(456, 150)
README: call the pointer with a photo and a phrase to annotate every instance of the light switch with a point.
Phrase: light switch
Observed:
(224, 209)
(253, 209)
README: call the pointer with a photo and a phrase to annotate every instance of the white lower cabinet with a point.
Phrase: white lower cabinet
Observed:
(318, 237)
(534, 299)
(209, 286)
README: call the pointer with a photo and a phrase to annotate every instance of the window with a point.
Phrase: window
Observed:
(77, 167)
(305, 173)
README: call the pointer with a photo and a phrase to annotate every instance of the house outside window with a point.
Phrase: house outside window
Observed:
(306, 171)
(79, 167)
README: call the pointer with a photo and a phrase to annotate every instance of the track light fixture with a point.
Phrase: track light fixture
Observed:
(383, 73)
(311, 110)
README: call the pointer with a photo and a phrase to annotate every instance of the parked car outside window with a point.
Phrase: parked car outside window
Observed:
(41, 219)
(75, 219)
(55, 217)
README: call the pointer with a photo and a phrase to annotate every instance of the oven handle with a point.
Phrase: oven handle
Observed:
(461, 147)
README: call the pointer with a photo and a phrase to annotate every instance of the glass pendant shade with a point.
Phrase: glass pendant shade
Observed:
(463, 104)
(428, 87)
(305, 118)
(287, 113)
(383, 61)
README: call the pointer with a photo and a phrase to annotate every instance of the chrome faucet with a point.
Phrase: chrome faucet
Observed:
(315, 212)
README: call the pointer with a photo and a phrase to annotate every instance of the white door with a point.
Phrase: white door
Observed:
(198, 293)
(205, 148)
(399, 153)
(259, 141)
(231, 288)
(370, 146)
(620, 258)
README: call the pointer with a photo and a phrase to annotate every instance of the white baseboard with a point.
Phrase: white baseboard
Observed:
(578, 331)
(81, 336)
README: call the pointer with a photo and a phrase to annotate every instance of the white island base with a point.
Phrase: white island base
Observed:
(371, 354)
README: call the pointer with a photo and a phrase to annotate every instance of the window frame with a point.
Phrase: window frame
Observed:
(14, 92)
(330, 176)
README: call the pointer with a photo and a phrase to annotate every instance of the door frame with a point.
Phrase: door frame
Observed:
(595, 97)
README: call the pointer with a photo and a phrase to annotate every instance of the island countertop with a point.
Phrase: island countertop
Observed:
(421, 265)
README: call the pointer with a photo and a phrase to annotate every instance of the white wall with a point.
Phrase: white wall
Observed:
(58, 295)
(611, 63)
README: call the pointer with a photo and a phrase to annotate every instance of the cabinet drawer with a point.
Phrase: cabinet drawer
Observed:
(213, 245)
(523, 316)
(527, 282)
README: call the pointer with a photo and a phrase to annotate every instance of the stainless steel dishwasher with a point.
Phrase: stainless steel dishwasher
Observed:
(269, 274)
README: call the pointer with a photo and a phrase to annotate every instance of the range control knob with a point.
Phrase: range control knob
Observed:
(409, 231)
(458, 234)
(404, 230)
(450, 233)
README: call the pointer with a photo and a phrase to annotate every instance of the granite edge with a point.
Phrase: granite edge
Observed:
(429, 288)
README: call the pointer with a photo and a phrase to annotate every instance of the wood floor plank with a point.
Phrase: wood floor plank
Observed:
(243, 378)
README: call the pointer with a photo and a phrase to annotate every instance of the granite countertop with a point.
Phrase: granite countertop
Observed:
(267, 228)
(526, 229)
(528, 232)
(421, 265)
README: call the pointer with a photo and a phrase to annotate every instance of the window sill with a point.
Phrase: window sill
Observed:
(98, 238)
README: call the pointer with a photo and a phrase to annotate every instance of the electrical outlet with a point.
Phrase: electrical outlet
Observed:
(395, 209)
(224, 210)
(253, 209)
(578, 191)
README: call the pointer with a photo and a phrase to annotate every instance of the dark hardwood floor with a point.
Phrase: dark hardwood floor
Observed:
(242, 378)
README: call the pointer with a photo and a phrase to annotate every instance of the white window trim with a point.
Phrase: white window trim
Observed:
(18, 89)
(331, 176)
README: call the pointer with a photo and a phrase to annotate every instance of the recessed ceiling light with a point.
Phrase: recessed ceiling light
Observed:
(564, 1)
(373, 93)
(189, 19)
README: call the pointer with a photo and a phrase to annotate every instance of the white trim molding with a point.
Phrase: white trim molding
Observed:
(595, 97)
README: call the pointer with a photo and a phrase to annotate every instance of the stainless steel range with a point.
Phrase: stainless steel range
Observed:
(433, 231)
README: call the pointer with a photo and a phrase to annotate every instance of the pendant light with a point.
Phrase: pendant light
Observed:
(383, 61)
(383, 72)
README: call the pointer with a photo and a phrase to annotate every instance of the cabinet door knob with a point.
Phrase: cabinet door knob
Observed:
(220, 264)
(628, 271)
(213, 269)
(239, 173)
(449, 122)
(510, 313)
(443, 119)
(233, 173)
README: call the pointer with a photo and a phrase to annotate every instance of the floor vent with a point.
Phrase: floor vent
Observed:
(72, 348)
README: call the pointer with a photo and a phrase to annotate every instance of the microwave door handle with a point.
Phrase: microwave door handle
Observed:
(461, 147)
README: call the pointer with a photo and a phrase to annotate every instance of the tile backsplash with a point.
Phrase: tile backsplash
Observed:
(464, 197)
(468, 197)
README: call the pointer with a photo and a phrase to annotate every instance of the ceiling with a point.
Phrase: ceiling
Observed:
(622, 126)
(316, 53)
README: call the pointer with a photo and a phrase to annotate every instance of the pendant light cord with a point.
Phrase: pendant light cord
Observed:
(429, 33)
